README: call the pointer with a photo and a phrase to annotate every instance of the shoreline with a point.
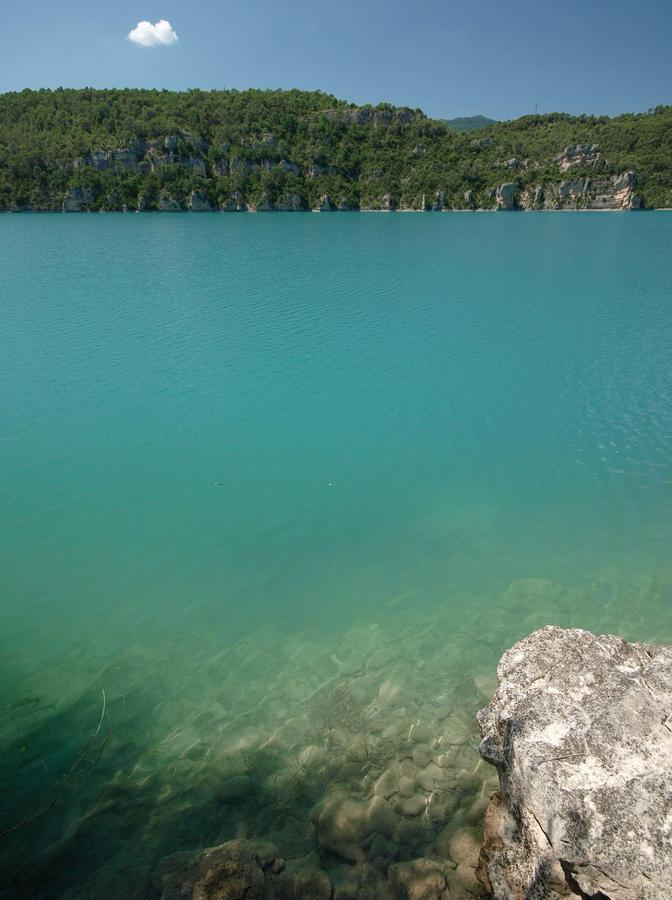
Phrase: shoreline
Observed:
(330, 212)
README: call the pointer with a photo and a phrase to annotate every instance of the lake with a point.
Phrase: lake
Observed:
(275, 489)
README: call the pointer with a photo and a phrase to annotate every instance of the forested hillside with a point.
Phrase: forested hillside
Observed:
(234, 150)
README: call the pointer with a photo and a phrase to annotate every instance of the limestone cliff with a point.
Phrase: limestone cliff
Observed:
(207, 164)
(616, 192)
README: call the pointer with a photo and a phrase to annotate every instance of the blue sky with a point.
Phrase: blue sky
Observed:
(501, 58)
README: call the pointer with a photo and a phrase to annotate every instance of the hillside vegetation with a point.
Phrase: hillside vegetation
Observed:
(148, 149)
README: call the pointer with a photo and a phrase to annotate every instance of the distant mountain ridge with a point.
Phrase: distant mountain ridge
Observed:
(468, 123)
(88, 150)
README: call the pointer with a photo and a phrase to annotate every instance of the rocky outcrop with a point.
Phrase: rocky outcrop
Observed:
(181, 149)
(624, 187)
(439, 202)
(285, 165)
(125, 159)
(291, 203)
(216, 168)
(616, 192)
(594, 190)
(169, 204)
(367, 115)
(265, 204)
(288, 203)
(506, 195)
(195, 163)
(78, 199)
(199, 202)
(436, 203)
(579, 156)
(580, 731)
(317, 170)
(327, 204)
(235, 202)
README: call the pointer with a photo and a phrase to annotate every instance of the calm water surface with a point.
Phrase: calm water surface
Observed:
(250, 464)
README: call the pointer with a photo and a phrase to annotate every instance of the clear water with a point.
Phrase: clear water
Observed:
(255, 469)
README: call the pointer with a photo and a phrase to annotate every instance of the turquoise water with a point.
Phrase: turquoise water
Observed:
(258, 468)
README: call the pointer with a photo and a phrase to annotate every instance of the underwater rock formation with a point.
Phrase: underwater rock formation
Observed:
(580, 732)
(236, 870)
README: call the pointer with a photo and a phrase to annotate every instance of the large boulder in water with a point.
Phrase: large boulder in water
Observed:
(580, 730)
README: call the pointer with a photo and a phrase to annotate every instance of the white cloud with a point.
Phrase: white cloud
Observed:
(147, 35)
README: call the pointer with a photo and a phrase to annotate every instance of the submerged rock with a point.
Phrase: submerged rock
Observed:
(228, 872)
(239, 870)
(580, 732)
(418, 879)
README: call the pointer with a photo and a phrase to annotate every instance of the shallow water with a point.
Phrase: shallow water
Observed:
(275, 488)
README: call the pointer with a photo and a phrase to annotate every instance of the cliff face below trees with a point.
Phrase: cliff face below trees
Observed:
(580, 732)
(292, 151)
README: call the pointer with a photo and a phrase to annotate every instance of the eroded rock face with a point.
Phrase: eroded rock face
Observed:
(291, 203)
(199, 202)
(78, 199)
(347, 205)
(369, 115)
(265, 204)
(439, 202)
(234, 203)
(579, 156)
(125, 159)
(580, 731)
(327, 204)
(506, 195)
(615, 192)
(169, 204)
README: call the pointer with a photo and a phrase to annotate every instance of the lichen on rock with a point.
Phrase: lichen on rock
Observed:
(579, 732)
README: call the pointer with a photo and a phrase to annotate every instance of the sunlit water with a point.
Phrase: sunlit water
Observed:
(274, 488)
